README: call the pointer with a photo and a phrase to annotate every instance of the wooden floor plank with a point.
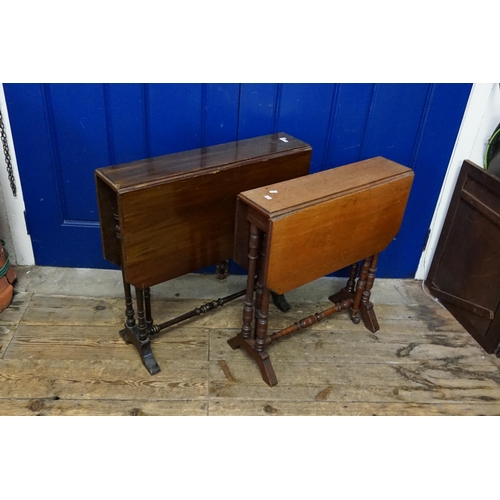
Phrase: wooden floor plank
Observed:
(73, 311)
(100, 407)
(112, 379)
(10, 319)
(392, 317)
(270, 407)
(86, 311)
(13, 314)
(6, 335)
(362, 335)
(57, 342)
(325, 347)
(64, 356)
(424, 383)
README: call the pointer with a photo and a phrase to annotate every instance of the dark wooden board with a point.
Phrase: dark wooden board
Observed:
(464, 275)
(176, 212)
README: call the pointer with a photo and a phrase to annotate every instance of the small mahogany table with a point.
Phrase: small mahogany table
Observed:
(293, 232)
(167, 216)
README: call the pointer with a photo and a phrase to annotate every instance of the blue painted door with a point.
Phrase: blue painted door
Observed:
(63, 132)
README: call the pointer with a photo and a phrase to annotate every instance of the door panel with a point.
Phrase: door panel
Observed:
(258, 110)
(173, 116)
(348, 123)
(77, 121)
(389, 131)
(433, 145)
(304, 111)
(63, 132)
(127, 137)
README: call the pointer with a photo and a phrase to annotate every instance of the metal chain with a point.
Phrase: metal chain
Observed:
(6, 153)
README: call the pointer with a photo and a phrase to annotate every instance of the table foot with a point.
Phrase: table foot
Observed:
(366, 311)
(344, 294)
(369, 318)
(280, 302)
(222, 270)
(340, 296)
(131, 336)
(260, 357)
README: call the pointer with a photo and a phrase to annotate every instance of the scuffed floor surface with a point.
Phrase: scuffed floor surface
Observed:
(62, 355)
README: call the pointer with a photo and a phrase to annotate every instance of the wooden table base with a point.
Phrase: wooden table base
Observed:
(261, 356)
(140, 333)
(355, 297)
(360, 293)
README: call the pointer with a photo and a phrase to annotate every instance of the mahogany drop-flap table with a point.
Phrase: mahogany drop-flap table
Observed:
(170, 215)
(293, 232)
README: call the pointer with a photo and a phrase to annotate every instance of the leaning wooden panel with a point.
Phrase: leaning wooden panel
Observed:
(463, 275)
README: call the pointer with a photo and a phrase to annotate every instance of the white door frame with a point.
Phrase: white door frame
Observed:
(18, 241)
(481, 116)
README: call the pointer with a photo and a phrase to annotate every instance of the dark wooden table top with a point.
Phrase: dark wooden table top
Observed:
(150, 171)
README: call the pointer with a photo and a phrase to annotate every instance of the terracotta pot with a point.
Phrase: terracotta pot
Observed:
(7, 278)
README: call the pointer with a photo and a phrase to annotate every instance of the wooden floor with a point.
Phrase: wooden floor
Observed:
(62, 355)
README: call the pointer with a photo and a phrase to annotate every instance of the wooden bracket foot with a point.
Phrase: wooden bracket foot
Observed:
(131, 336)
(369, 318)
(260, 357)
(366, 311)
(222, 270)
(280, 302)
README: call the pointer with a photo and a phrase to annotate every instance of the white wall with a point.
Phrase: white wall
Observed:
(481, 117)
(12, 223)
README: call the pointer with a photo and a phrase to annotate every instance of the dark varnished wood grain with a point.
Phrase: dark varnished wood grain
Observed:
(176, 212)
(131, 176)
(463, 274)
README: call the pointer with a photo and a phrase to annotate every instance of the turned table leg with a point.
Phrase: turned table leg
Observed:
(278, 300)
(360, 286)
(137, 334)
(366, 308)
(348, 291)
(147, 307)
(248, 308)
(360, 293)
(259, 287)
(129, 309)
(351, 282)
(260, 353)
(255, 345)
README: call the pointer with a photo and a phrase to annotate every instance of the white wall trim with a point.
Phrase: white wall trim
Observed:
(20, 240)
(481, 116)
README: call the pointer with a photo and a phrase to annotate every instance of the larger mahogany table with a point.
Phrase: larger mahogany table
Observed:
(167, 216)
(293, 232)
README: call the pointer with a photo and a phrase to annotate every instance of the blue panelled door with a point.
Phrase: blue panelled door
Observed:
(63, 132)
